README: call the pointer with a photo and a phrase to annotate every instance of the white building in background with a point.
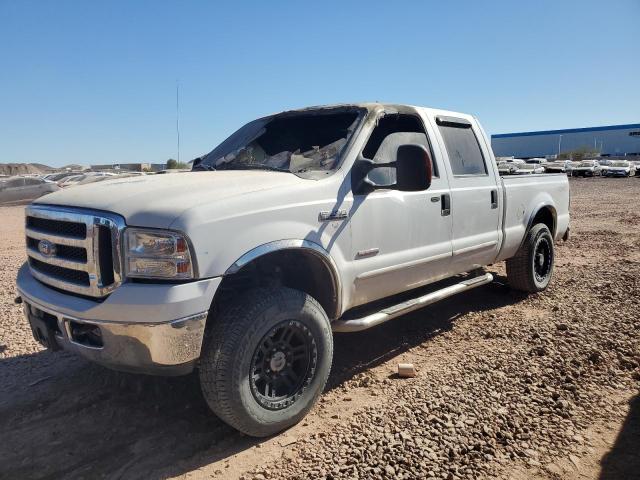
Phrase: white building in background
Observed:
(612, 140)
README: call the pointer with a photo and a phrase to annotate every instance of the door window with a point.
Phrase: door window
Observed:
(382, 146)
(15, 182)
(463, 148)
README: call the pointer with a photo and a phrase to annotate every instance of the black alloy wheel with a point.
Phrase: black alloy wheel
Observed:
(531, 269)
(283, 365)
(542, 259)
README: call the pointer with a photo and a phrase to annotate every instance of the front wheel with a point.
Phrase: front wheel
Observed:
(531, 269)
(266, 360)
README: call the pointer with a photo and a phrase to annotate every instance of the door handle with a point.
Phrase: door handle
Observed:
(494, 199)
(445, 205)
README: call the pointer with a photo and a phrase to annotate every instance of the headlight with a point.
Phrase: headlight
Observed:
(157, 254)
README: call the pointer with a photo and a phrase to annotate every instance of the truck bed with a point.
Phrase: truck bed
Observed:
(527, 193)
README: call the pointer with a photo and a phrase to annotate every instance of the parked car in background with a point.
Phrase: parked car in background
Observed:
(529, 168)
(88, 177)
(537, 161)
(507, 168)
(604, 165)
(559, 166)
(58, 177)
(15, 189)
(95, 178)
(637, 165)
(101, 177)
(620, 168)
(70, 180)
(587, 168)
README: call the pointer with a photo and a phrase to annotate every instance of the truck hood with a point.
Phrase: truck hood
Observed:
(157, 200)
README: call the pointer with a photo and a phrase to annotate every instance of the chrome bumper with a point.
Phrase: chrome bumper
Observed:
(169, 348)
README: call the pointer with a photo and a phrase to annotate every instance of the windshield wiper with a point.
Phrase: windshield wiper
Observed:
(203, 167)
(255, 167)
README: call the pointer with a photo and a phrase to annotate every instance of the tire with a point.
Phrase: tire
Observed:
(531, 269)
(266, 360)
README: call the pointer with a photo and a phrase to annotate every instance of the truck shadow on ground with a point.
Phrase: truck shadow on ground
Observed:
(63, 417)
(623, 460)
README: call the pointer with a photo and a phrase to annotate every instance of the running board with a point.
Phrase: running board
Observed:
(389, 313)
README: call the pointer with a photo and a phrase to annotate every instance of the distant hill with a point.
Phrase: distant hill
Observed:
(23, 168)
(31, 168)
(43, 167)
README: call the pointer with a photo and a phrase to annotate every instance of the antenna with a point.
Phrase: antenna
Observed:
(178, 116)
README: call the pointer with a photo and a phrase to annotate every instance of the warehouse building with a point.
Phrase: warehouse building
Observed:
(608, 141)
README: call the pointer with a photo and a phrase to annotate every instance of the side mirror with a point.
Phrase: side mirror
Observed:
(413, 168)
(413, 171)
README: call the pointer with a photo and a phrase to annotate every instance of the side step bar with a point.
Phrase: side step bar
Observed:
(389, 313)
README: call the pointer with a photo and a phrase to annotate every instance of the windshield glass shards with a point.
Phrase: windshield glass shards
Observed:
(291, 142)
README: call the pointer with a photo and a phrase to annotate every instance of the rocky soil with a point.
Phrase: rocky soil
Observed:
(508, 386)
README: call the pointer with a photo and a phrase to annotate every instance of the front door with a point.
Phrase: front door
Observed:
(400, 240)
(14, 190)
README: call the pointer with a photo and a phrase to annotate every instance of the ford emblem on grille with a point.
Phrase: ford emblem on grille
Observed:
(46, 248)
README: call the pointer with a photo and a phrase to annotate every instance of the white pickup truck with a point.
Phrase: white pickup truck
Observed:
(243, 267)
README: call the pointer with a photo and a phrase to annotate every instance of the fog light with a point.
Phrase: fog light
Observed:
(86, 334)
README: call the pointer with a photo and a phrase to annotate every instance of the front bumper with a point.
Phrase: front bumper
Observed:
(146, 328)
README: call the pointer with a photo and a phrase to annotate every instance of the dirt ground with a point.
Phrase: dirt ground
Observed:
(508, 386)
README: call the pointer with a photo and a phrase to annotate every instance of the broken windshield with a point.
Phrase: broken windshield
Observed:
(298, 142)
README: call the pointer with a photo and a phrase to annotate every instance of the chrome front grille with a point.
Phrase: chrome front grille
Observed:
(74, 250)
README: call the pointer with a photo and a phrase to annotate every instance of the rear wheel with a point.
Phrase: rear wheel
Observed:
(531, 269)
(266, 360)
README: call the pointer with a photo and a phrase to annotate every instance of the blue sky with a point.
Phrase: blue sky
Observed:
(94, 82)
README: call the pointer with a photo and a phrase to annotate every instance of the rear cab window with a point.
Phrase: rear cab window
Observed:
(463, 147)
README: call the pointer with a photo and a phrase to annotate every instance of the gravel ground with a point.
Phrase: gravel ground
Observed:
(508, 385)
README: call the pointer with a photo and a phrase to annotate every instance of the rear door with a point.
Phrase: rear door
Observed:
(475, 202)
(34, 188)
